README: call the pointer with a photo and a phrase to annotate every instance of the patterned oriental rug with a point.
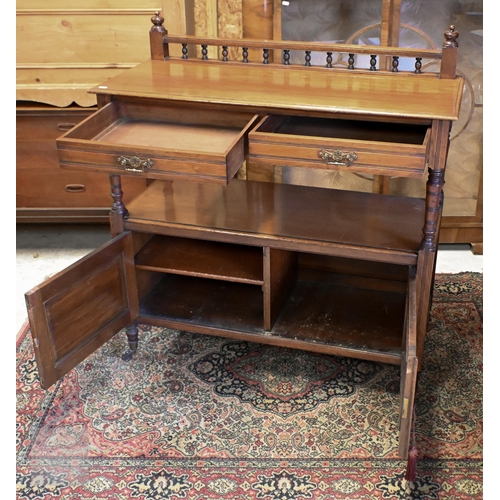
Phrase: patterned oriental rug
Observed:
(202, 417)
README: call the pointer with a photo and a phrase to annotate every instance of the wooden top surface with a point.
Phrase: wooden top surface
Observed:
(274, 88)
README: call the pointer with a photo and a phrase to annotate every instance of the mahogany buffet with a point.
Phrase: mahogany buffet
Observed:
(205, 250)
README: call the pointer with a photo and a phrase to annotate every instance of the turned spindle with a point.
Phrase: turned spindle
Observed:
(418, 65)
(308, 58)
(286, 57)
(395, 64)
(265, 56)
(434, 188)
(329, 60)
(350, 61)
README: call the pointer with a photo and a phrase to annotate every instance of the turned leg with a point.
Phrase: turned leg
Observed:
(433, 210)
(133, 340)
(118, 209)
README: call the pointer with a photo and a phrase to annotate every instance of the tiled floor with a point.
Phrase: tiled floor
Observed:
(43, 250)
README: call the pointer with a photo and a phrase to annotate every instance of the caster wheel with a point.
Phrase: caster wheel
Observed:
(128, 355)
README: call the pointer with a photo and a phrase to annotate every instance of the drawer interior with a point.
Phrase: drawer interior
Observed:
(162, 126)
(400, 133)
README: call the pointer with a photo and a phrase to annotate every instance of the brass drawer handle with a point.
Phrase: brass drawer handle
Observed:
(337, 157)
(135, 164)
(75, 188)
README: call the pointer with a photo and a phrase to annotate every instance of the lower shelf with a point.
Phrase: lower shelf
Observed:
(205, 302)
(318, 316)
(344, 316)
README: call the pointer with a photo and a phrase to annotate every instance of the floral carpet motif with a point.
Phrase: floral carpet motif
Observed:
(202, 417)
(281, 381)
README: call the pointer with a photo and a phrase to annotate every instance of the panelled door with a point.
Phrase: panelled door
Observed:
(76, 311)
(409, 370)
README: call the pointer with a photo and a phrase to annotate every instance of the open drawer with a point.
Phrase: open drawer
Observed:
(383, 148)
(158, 141)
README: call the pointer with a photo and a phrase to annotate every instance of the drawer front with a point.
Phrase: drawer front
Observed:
(158, 142)
(55, 188)
(268, 146)
(148, 164)
(36, 137)
(47, 126)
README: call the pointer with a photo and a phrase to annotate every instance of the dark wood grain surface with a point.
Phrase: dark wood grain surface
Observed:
(258, 211)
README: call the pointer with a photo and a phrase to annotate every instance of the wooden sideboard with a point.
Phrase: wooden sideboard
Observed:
(204, 249)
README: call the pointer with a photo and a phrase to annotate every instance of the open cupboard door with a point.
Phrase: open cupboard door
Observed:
(79, 309)
(409, 370)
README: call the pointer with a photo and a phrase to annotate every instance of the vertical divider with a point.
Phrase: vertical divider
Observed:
(280, 275)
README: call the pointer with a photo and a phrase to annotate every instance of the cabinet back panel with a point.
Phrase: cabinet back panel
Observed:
(214, 304)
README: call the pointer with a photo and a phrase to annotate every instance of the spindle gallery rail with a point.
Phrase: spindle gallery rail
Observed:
(382, 59)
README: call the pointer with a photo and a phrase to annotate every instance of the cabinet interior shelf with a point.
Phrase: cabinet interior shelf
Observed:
(230, 261)
(206, 259)
(273, 296)
(333, 319)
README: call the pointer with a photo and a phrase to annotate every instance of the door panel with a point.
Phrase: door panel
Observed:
(79, 309)
(409, 371)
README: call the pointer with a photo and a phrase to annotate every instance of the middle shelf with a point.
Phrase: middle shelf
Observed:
(205, 259)
(367, 226)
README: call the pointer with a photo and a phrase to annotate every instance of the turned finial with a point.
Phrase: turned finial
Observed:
(157, 34)
(157, 21)
(451, 37)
